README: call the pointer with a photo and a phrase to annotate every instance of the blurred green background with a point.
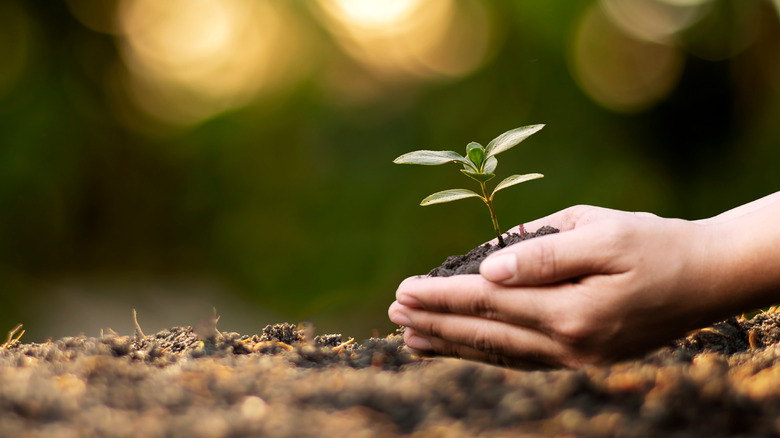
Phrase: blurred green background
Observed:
(174, 156)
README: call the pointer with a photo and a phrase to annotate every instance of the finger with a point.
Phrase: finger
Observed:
(564, 220)
(424, 345)
(569, 218)
(475, 296)
(551, 259)
(492, 339)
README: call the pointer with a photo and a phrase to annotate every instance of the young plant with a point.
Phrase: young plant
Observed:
(479, 164)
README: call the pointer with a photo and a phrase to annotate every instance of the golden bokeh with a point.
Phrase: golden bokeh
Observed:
(657, 21)
(188, 60)
(411, 40)
(185, 61)
(377, 16)
(620, 72)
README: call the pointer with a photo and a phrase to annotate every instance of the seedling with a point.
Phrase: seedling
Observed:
(479, 164)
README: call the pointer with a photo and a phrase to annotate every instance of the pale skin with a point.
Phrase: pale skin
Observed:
(610, 285)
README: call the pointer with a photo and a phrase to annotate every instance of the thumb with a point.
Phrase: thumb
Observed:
(546, 259)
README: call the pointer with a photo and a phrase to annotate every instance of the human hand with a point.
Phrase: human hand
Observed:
(610, 285)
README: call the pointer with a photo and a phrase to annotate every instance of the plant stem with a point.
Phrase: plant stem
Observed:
(489, 201)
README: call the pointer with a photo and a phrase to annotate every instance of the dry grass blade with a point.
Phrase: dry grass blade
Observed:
(137, 326)
(341, 346)
(270, 344)
(708, 330)
(216, 321)
(11, 340)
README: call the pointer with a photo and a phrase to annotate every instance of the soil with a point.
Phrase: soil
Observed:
(723, 380)
(720, 381)
(469, 262)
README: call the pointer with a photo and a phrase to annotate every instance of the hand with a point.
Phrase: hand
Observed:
(610, 285)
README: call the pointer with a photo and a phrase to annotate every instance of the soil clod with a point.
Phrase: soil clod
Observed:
(469, 262)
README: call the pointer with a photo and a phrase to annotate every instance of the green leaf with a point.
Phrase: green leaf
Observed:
(476, 153)
(515, 179)
(478, 176)
(448, 196)
(430, 158)
(510, 139)
(490, 165)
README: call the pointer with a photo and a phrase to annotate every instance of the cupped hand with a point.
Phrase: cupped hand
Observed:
(610, 285)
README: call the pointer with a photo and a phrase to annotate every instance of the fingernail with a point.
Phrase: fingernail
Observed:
(400, 319)
(418, 343)
(499, 267)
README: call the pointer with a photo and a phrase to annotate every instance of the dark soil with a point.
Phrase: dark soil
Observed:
(469, 263)
(723, 380)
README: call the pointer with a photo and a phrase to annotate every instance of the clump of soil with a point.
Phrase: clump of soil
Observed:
(469, 263)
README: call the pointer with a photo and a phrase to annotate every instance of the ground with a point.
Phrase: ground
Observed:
(723, 380)
(720, 381)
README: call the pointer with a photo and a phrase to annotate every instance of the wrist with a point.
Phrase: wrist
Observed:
(744, 259)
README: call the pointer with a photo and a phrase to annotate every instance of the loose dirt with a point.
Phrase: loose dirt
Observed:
(723, 380)
(175, 383)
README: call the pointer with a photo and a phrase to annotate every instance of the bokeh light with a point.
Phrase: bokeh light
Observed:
(618, 71)
(376, 16)
(726, 30)
(657, 21)
(190, 60)
(412, 40)
(628, 54)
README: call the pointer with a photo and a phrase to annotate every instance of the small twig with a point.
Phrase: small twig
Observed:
(709, 330)
(137, 326)
(341, 346)
(10, 340)
(16, 340)
(216, 320)
(260, 345)
(284, 346)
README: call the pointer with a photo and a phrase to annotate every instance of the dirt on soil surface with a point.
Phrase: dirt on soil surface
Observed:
(720, 381)
(723, 380)
(469, 262)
